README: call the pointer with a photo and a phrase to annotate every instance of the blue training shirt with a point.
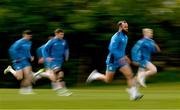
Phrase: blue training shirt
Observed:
(117, 46)
(39, 51)
(143, 49)
(20, 49)
(56, 48)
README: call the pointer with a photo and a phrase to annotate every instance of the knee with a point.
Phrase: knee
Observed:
(129, 76)
(154, 70)
(19, 77)
(108, 80)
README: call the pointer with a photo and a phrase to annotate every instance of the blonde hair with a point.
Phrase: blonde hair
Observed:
(146, 30)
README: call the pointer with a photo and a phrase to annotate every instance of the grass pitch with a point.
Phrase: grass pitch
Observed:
(156, 96)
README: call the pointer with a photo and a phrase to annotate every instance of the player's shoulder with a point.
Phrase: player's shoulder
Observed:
(140, 41)
(64, 40)
(51, 41)
(42, 46)
(148, 40)
(116, 36)
(20, 41)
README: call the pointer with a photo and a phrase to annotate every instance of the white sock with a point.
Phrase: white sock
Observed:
(97, 75)
(45, 74)
(56, 86)
(12, 71)
(29, 89)
(133, 91)
(37, 77)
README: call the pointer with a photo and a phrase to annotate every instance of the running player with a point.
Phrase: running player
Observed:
(117, 59)
(55, 52)
(42, 72)
(141, 56)
(21, 58)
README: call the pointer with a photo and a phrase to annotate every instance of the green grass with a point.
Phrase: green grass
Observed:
(156, 96)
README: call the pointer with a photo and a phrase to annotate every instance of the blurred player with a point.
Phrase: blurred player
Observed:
(55, 52)
(117, 59)
(141, 56)
(42, 72)
(21, 58)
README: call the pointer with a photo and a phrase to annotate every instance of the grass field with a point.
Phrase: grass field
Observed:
(157, 96)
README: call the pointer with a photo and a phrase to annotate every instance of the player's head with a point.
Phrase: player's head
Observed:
(147, 32)
(27, 34)
(123, 26)
(59, 33)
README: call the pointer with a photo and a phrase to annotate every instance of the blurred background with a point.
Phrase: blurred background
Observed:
(89, 26)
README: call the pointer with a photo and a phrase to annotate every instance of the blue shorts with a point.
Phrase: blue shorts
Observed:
(113, 66)
(53, 65)
(142, 63)
(21, 64)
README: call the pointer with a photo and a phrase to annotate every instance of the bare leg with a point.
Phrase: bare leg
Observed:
(26, 83)
(143, 73)
(131, 82)
(151, 69)
(127, 72)
(95, 75)
(107, 78)
(19, 74)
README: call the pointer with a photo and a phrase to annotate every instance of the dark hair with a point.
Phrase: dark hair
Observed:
(58, 30)
(29, 32)
(120, 22)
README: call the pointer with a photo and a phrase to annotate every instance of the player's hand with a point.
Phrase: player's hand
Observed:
(49, 59)
(32, 58)
(158, 48)
(41, 60)
(66, 59)
(127, 59)
(135, 64)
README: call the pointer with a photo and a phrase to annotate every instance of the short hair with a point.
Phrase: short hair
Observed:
(58, 30)
(121, 22)
(144, 30)
(29, 32)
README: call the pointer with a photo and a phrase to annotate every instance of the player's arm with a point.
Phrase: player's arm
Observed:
(39, 55)
(66, 53)
(155, 47)
(158, 48)
(128, 59)
(113, 47)
(135, 50)
(46, 51)
(14, 50)
(29, 52)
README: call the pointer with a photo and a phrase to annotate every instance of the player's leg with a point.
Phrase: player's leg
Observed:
(151, 69)
(107, 77)
(43, 72)
(141, 76)
(9, 69)
(40, 71)
(53, 79)
(144, 71)
(38, 75)
(131, 81)
(62, 91)
(16, 72)
(56, 81)
(26, 83)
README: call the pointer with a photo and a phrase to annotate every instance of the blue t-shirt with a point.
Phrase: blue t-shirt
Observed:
(20, 49)
(55, 48)
(117, 46)
(143, 49)
(39, 51)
